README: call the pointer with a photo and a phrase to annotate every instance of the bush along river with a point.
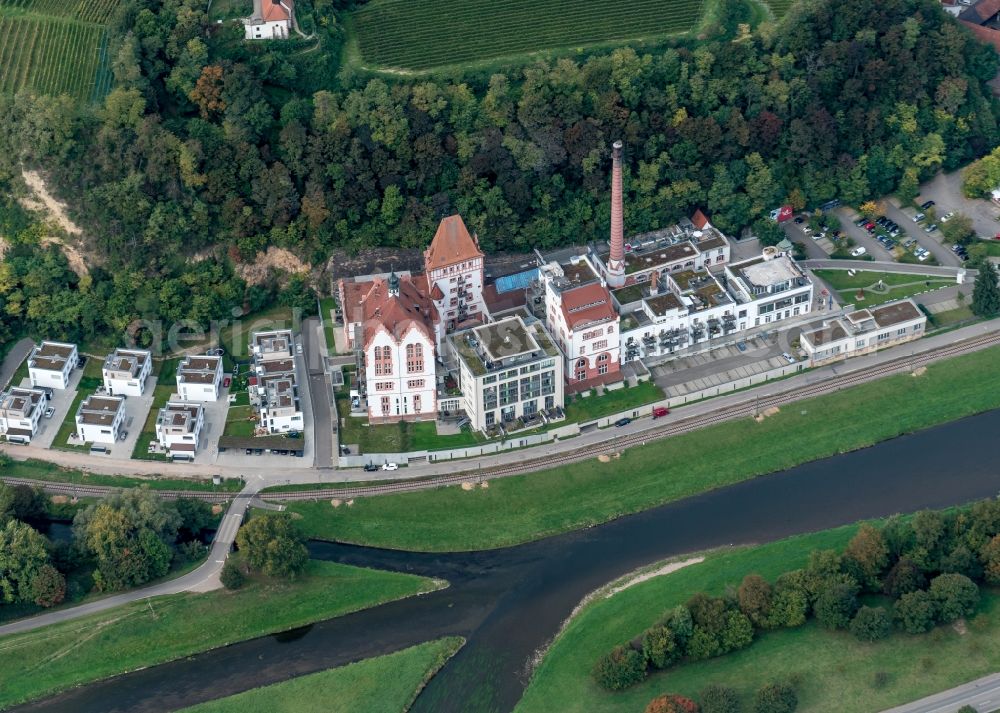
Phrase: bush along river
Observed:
(509, 603)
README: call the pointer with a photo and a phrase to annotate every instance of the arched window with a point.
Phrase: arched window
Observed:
(383, 361)
(414, 358)
(603, 357)
(581, 364)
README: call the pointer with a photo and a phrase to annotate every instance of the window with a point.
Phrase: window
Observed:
(603, 344)
(383, 361)
(603, 357)
(414, 358)
(491, 418)
(415, 384)
(883, 335)
(901, 332)
(416, 403)
(602, 369)
(582, 349)
(383, 385)
(860, 344)
(385, 405)
(581, 375)
(581, 364)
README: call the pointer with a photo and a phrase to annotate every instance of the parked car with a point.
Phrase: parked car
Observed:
(298, 348)
(918, 217)
(623, 422)
(947, 216)
(122, 435)
(390, 466)
(659, 411)
(249, 451)
(926, 204)
(50, 412)
(858, 251)
(345, 450)
(799, 220)
(788, 357)
(930, 228)
(923, 256)
(370, 468)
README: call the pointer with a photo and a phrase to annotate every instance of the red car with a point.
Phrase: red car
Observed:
(660, 411)
(225, 382)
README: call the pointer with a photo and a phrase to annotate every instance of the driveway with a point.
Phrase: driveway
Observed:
(61, 401)
(945, 189)
(794, 233)
(318, 389)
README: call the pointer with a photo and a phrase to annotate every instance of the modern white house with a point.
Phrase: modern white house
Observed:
(273, 345)
(864, 331)
(99, 418)
(509, 372)
(51, 363)
(125, 372)
(178, 428)
(20, 412)
(271, 20)
(199, 378)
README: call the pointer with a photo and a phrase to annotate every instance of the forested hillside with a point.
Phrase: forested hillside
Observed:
(203, 142)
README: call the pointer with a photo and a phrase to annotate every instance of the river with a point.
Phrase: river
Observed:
(509, 603)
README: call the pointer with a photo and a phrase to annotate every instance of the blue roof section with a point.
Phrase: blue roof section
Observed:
(517, 281)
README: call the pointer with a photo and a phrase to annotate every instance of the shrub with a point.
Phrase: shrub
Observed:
(273, 545)
(719, 699)
(967, 709)
(191, 551)
(660, 646)
(232, 576)
(754, 599)
(738, 632)
(48, 587)
(871, 624)
(672, 703)
(903, 578)
(955, 596)
(775, 698)
(790, 601)
(914, 611)
(621, 668)
(836, 604)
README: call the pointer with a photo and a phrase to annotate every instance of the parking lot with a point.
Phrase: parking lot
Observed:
(933, 241)
(699, 371)
(945, 190)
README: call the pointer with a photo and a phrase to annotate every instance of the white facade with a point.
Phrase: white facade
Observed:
(461, 288)
(271, 20)
(178, 428)
(199, 378)
(508, 371)
(401, 376)
(99, 418)
(20, 412)
(51, 363)
(864, 331)
(125, 372)
(277, 30)
(274, 388)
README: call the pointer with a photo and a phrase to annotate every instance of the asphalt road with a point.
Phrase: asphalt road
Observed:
(202, 579)
(983, 694)
(319, 395)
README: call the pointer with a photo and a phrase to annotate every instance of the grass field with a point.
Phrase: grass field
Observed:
(899, 285)
(527, 507)
(587, 409)
(385, 684)
(145, 633)
(55, 47)
(424, 34)
(834, 673)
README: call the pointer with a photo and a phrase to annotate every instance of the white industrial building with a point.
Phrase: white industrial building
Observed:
(199, 378)
(125, 372)
(99, 418)
(863, 331)
(20, 412)
(178, 428)
(511, 374)
(51, 363)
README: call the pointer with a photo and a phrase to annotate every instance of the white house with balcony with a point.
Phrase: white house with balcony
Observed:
(99, 419)
(864, 331)
(179, 425)
(20, 412)
(199, 378)
(125, 372)
(50, 364)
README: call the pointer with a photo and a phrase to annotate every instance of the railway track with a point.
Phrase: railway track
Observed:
(749, 407)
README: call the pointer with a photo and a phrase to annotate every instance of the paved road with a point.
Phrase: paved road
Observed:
(13, 360)
(983, 694)
(319, 394)
(202, 579)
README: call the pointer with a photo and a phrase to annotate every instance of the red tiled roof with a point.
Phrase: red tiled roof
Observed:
(986, 9)
(586, 305)
(276, 10)
(496, 302)
(436, 294)
(397, 314)
(985, 34)
(452, 244)
(699, 220)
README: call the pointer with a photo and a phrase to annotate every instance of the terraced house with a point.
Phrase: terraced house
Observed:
(20, 412)
(125, 371)
(50, 364)
(273, 387)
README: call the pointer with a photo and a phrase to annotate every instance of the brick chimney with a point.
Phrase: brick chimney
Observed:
(616, 261)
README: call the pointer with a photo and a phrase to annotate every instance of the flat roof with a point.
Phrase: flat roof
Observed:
(51, 356)
(896, 313)
(663, 303)
(506, 338)
(770, 272)
(825, 335)
(198, 369)
(99, 410)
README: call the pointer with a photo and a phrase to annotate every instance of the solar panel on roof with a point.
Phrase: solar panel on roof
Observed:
(517, 281)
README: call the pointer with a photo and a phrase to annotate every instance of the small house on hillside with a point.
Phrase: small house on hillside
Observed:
(271, 20)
